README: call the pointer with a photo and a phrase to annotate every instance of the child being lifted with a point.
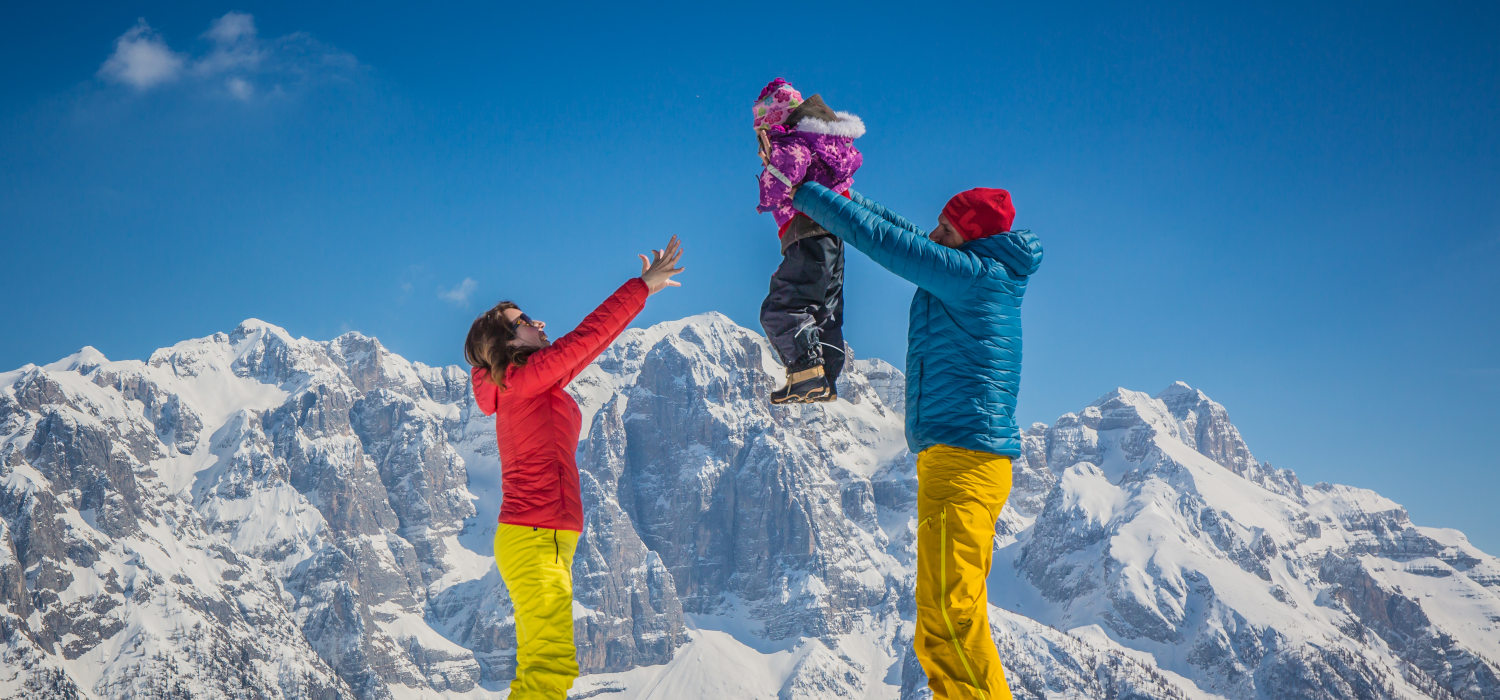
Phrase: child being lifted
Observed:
(803, 315)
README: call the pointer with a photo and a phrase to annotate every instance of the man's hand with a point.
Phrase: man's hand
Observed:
(657, 273)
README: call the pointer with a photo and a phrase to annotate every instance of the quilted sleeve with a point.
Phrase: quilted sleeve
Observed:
(943, 271)
(561, 361)
(886, 214)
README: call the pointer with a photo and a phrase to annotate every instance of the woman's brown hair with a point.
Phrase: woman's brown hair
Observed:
(488, 344)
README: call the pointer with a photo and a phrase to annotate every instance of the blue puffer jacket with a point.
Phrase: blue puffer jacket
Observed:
(963, 346)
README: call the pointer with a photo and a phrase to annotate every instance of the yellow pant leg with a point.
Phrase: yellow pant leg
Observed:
(537, 567)
(959, 496)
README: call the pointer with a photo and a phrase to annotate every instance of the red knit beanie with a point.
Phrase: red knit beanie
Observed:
(980, 212)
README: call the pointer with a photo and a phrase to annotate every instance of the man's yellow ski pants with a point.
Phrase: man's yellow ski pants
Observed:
(959, 496)
(537, 566)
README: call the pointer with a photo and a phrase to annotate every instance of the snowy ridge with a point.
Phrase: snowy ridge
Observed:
(254, 513)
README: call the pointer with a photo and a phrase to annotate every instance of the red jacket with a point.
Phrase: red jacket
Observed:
(537, 422)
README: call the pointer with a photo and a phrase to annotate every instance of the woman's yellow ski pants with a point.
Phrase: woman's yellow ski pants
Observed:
(537, 566)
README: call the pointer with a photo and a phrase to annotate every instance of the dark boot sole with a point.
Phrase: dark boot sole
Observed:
(817, 395)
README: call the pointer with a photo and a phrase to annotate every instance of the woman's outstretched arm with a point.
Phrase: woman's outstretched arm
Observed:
(561, 361)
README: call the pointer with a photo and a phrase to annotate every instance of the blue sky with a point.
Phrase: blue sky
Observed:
(1289, 206)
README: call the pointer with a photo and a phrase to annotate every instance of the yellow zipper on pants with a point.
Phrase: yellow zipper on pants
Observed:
(943, 602)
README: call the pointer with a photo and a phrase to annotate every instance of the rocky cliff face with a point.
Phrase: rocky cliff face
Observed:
(251, 514)
(1166, 535)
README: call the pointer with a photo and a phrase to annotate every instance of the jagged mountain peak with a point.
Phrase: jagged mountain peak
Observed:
(702, 325)
(266, 354)
(86, 359)
(1180, 388)
(1122, 409)
(1122, 396)
(1121, 402)
(356, 339)
(254, 326)
(707, 318)
(1193, 406)
(1207, 428)
(712, 335)
(254, 348)
(371, 366)
(1178, 399)
(1183, 414)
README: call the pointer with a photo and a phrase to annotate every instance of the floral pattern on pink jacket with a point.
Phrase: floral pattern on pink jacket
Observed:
(816, 151)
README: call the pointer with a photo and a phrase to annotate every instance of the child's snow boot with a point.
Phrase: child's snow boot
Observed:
(803, 386)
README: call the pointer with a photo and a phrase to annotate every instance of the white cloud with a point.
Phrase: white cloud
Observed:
(236, 46)
(141, 59)
(231, 27)
(236, 61)
(460, 295)
(240, 88)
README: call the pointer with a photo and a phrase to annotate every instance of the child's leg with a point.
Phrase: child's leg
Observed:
(794, 308)
(831, 321)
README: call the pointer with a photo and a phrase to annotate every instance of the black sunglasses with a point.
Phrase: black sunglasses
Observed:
(523, 318)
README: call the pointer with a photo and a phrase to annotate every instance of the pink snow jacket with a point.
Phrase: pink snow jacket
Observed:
(814, 150)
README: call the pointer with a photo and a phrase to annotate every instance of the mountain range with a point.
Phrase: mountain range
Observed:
(252, 514)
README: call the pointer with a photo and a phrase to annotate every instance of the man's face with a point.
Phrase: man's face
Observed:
(945, 234)
(529, 334)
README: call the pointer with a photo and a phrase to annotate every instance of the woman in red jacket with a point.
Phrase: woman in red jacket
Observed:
(519, 376)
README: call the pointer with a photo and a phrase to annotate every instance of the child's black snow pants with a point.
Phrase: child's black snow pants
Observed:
(803, 315)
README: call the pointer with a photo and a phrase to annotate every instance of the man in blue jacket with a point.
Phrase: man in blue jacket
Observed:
(963, 370)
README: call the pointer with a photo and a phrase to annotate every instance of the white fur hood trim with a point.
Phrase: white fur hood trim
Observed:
(847, 124)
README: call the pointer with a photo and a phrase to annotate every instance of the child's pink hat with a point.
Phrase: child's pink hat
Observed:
(775, 103)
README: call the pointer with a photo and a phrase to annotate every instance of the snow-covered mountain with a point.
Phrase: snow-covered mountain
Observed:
(256, 515)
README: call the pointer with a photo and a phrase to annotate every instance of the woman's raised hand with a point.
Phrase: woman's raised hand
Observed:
(657, 273)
